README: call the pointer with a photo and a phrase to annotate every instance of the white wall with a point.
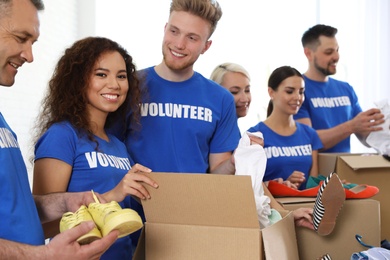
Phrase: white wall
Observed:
(260, 35)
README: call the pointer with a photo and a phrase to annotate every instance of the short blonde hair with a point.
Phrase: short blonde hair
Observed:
(209, 10)
(219, 72)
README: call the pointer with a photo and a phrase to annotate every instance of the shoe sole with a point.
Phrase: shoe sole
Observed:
(332, 198)
(91, 236)
(126, 222)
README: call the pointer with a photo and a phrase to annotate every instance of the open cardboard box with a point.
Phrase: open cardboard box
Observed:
(207, 216)
(357, 217)
(370, 169)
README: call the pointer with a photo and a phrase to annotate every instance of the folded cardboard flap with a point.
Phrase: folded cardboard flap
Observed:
(328, 161)
(366, 161)
(358, 216)
(206, 216)
(280, 239)
(200, 199)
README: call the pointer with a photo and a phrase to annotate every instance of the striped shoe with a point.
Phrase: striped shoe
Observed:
(330, 200)
(325, 257)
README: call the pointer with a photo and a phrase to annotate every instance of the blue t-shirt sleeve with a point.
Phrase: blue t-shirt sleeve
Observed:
(227, 134)
(58, 142)
(303, 111)
(315, 139)
(356, 108)
(255, 128)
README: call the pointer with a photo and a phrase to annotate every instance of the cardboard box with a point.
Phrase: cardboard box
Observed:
(207, 216)
(370, 169)
(360, 217)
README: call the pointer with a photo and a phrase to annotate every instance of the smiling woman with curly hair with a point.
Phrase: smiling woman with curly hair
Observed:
(94, 84)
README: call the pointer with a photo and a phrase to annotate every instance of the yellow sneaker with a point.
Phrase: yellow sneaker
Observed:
(70, 220)
(110, 216)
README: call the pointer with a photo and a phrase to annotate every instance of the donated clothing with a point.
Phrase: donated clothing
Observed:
(286, 154)
(380, 140)
(19, 220)
(329, 104)
(182, 123)
(96, 165)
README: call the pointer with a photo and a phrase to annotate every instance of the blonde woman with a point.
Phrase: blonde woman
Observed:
(236, 79)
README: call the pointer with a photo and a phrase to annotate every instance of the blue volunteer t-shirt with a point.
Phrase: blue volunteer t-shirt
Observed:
(19, 220)
(329, 104)
(98, 169)
(182, 123)
(286, 154)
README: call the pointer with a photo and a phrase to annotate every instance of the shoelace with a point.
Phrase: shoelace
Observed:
(108, 207)
(77, 217)
(95, 197)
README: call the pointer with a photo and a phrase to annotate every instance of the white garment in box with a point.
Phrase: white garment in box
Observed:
(251, 160)
(380, 140)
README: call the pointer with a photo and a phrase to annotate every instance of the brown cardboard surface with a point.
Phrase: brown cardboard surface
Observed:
(224, 201)
(327, 162)
(370, 169)
(170, 241)
(356, 217)
(365, 161)
(280, 239)
(203, 216)
(139, 253)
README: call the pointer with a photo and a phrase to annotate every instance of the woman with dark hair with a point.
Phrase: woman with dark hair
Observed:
(94, 83)
(291, 147)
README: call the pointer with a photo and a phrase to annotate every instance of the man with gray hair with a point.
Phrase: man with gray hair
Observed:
(21, 213)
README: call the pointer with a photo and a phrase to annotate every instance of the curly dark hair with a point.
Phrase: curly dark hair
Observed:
(66, 99)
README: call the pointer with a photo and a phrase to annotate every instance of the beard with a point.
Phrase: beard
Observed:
(325, 71)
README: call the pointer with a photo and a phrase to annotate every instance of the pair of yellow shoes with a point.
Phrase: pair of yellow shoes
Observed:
(107, 217)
